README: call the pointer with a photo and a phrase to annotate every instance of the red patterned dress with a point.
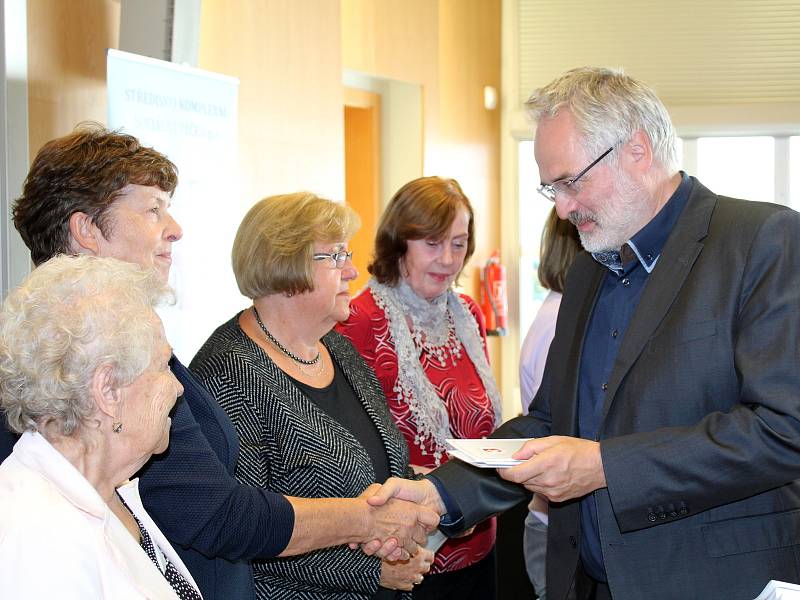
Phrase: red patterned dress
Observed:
(459, 386)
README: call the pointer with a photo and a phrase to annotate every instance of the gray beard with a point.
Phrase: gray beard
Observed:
(615, 226)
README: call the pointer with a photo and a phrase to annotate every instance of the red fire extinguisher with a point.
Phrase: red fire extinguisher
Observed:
(494, 299)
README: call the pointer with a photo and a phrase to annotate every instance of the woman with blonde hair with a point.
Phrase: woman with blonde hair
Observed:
(310, 415)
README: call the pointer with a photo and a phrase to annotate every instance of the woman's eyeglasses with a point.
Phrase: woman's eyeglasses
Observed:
(339, 258)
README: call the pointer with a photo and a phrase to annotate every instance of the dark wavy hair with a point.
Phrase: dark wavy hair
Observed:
(424, 208)
(84, 171)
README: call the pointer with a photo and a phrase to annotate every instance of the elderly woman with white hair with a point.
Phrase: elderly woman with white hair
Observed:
(85, 378)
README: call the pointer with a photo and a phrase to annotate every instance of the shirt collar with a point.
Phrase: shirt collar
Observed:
(38, 455)
(649, 241)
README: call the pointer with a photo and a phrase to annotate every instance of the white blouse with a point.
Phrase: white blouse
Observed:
(59, 539)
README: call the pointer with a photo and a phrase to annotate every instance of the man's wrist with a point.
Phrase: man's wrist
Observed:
(601, 472)
(447, 508)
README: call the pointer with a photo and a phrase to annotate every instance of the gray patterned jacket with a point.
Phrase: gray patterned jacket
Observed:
(288, 445)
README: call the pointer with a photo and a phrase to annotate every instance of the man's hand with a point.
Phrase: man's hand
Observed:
(560, 468)
(396, 527)
(421, 492)
(404, 575)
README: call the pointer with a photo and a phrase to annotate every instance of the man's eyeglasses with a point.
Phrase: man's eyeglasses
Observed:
(339, 258)
(567, 187)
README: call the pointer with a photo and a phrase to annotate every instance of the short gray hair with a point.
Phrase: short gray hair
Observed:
(70, 316)
(608, 107)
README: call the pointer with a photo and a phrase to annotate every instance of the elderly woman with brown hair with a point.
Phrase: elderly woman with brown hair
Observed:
(310, 415)
(427, 345)
(85, 378)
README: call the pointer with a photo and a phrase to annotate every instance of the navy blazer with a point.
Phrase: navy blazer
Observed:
(7, 439)
(216, 524)
(700, 430)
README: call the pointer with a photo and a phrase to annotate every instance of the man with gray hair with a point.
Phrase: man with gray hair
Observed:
(667, 424)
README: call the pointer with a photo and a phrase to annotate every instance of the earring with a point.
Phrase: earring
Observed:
(116, 427)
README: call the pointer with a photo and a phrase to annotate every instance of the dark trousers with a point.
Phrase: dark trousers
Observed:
(587, 588)
(476, 582)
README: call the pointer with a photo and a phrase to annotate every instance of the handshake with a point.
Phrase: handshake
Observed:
(403, 512)
(400, 514)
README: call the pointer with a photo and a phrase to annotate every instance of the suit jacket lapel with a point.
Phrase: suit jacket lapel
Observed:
(677, 258)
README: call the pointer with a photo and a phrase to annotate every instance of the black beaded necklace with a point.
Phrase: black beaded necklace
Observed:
(281, 347)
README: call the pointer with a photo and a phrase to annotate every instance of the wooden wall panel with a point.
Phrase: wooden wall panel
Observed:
(67, 44)
(396, 40)
(452, 49)
(287, 56)
(469, 59)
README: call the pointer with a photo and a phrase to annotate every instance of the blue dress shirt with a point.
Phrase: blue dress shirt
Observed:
(615, 305)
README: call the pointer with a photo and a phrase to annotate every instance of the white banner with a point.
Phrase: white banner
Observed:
(191, 116)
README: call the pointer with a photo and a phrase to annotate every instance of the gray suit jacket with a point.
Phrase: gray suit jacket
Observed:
(700, 436)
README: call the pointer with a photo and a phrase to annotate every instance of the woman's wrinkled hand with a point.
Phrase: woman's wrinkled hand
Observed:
(405, 574)
(396, 528)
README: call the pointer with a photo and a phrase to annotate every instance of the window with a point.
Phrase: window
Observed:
(741, 167)
(533, 211)
(794, 172)
(765, 168)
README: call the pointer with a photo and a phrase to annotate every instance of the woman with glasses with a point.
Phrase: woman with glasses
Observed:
(311, 417)
(427, 345)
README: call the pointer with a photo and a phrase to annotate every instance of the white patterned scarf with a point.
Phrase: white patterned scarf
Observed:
(442, 327)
